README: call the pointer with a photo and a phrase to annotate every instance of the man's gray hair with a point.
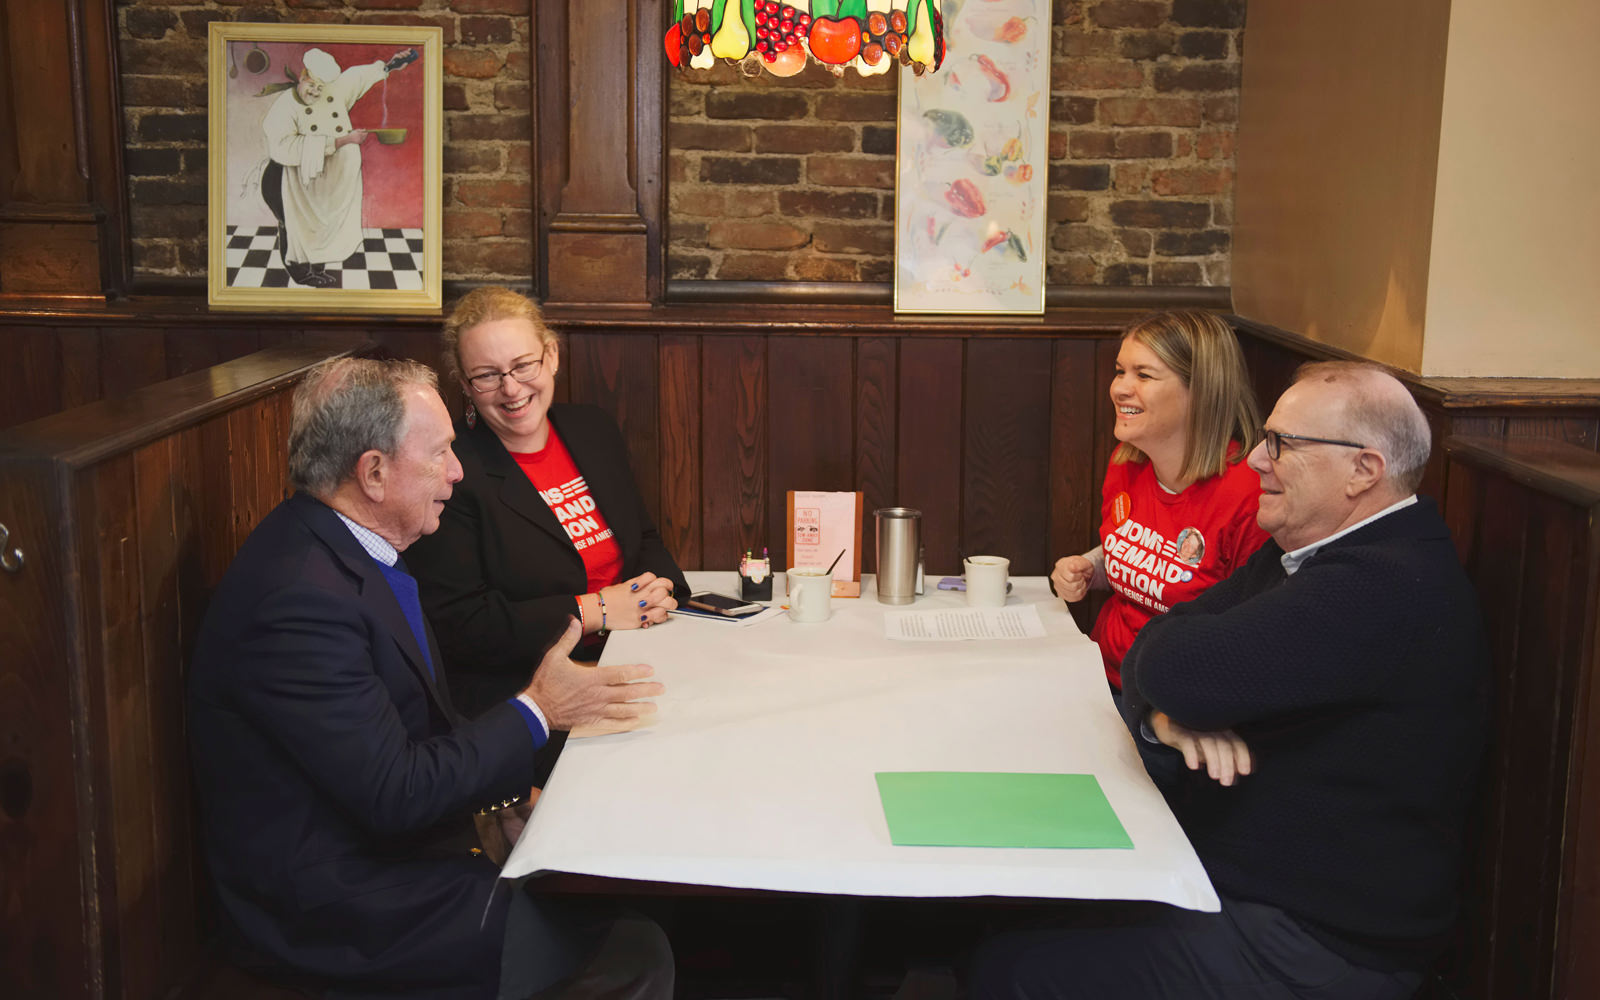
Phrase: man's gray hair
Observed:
(344, 408)
(1380, 413)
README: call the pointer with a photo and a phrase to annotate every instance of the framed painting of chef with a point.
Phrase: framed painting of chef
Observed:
(324, 166)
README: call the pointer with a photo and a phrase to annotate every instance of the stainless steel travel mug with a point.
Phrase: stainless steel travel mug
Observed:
(899, 542)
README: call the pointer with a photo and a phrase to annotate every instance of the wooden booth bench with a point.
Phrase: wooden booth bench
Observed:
(120, 517)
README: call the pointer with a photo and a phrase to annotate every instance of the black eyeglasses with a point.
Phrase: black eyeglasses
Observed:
(1275, 442)
(525, 372)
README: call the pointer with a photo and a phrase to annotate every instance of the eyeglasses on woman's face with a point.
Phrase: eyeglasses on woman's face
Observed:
(522, 371)
(1274, 441)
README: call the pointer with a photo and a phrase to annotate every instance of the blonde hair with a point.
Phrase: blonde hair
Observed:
(486, 305)
(1204, 353)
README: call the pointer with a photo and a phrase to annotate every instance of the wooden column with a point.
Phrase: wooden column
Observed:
(598, 139)
(61, 195)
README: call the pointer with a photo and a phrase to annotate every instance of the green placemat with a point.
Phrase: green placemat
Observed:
(998, 809)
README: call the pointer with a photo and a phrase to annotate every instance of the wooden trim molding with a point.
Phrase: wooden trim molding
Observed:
(882, 293)
(1446, 393)
(63, 226)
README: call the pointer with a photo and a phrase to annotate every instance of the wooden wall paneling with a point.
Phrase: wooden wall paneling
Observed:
(80, 366)
(1521, 559)
(190, 349)
(37, 352)
(1559, 623)
(256, 440)
(679, 400)
(122, 680)
(1271, 368)
(131, 358)
(1581, 431)
(810, 430)
(210, 456)
(1496, 564)
(1105, 366)
(419, 343)
(876, 399)
(1006, 452)
(734, 451)
(1580, 973)
(1074, 490)
(1477, 425)
(274, 475)
(618, 373)
(928, 458)
(600, 162)
(1497, 578)
(165, 527)
(46, 950)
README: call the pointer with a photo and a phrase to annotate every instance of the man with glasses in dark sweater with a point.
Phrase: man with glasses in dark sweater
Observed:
(1316, 722)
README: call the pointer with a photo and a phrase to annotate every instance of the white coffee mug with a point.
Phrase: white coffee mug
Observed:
(986, 581)
(810, 594)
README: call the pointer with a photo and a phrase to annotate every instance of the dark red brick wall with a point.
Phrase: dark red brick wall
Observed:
(488, 223)
(794, 179)
(767, 179)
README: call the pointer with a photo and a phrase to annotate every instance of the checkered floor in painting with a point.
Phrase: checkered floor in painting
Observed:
(388, 259)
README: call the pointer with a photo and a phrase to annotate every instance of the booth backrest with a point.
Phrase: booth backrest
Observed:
(123, 514)
(1525, 515)
(120, 517)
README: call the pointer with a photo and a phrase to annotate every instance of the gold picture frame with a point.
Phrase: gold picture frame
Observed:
(325, 168)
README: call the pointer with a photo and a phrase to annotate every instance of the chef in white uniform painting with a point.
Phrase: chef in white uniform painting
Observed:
(313, 183)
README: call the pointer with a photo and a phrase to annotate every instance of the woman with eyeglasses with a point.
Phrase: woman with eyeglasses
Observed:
(1179, 503)
(547, 523)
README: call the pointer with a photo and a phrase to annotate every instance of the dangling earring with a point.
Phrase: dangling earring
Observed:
(472, 416)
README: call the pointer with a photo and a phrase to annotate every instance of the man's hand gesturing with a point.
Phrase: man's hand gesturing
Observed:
(596, 699)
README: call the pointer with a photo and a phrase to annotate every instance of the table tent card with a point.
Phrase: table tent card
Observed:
(824, 530)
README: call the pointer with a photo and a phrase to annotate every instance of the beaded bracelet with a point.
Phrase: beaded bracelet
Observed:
(602, 612)
(495, 807)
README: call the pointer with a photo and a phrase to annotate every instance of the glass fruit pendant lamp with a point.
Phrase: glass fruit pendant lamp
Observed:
(868, 36)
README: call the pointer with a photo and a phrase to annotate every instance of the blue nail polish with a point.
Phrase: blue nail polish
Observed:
(643, 618)
(634, 587)
(641, 604)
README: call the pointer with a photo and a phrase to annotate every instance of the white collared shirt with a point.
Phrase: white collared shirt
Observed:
(1293, 560)
(376, 545)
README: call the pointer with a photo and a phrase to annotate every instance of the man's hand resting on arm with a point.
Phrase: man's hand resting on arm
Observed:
(1223, 753)
(593, 699)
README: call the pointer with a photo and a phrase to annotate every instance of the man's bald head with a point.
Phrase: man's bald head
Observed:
(1378, 411)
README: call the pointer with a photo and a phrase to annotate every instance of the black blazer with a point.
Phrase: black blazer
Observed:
(499, 576)
(334, 779)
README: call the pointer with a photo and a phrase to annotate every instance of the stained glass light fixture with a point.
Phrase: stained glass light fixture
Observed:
(868, 36)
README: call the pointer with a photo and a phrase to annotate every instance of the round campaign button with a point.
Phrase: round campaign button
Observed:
(1121, 508)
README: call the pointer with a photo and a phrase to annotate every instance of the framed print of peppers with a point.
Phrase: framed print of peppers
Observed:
(782, 36)
(971, 167)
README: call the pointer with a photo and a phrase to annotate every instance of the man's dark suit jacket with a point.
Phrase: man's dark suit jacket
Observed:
(335, 781)
(499, 576)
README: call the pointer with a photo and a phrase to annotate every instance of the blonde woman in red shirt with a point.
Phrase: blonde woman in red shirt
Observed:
(1178, 506)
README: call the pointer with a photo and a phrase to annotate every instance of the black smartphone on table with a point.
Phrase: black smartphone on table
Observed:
(722, 604)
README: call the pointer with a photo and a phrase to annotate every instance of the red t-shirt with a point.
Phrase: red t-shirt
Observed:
(1162, 548)
(562, 486)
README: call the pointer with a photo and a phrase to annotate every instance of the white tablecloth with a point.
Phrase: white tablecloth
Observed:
(758, 770)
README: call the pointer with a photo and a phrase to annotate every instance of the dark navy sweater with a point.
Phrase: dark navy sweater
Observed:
(1360, 684)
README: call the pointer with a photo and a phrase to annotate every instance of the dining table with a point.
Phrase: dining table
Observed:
(760, 768)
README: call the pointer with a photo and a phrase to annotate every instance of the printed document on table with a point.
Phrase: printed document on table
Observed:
(950, 625)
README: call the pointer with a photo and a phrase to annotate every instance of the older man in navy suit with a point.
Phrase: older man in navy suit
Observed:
(336, 781)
